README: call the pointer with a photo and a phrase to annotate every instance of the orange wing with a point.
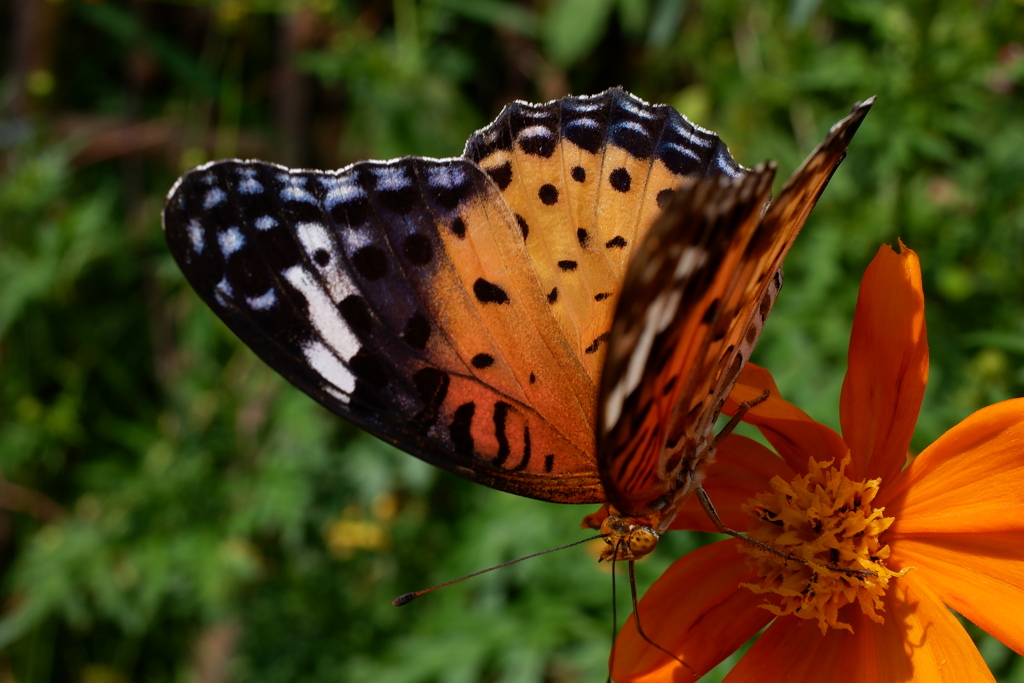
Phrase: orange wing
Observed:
(691, 311)
(400, 296)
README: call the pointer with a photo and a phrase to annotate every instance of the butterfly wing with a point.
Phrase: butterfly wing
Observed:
(669, 371)
(399, 296)
(585, 177)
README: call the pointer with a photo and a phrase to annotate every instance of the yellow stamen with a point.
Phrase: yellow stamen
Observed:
(826, 520)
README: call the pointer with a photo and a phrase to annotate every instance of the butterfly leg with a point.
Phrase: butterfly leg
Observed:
(705, 501)
(733, 422)
(709, 509)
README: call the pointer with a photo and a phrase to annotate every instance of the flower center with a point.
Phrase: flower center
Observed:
(826, 520)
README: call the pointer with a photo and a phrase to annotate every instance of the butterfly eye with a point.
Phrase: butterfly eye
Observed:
(626, 539)
(641, 540)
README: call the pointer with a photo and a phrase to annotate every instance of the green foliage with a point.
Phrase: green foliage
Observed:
(167, 504)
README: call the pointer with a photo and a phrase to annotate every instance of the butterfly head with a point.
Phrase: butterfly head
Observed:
(627, 538)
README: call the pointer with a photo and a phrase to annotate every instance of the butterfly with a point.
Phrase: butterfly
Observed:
(559, 313)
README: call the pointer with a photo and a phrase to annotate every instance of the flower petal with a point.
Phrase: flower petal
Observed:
(920, 641)
(755, 376)
(888, 365)
(742, 469)
(981, 576)
(970, 480)
(697, 610)
(794, 435)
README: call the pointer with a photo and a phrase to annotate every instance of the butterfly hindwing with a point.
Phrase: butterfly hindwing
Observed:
(398, 295)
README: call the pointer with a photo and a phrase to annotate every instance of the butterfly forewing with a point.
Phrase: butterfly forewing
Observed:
(585, 177)
(657, 430)
(399, 296)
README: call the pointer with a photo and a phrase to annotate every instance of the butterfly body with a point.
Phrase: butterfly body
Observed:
(559, 313)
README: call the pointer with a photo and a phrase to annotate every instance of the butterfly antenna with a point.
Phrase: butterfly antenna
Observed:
(709, 509)
(615, 619)
(409, 597)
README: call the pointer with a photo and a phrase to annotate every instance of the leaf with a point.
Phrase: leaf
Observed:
(572, 28)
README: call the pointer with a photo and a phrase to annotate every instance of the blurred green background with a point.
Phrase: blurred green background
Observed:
(171, 510)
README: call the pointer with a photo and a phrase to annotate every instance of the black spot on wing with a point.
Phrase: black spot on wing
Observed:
(369, 370)
(482, 360)
(620, 179)
(583, 237)
(539, 144)
(753, 332)
(584, 126)
(567, 266)
(589, 138)
(548, 194)
(596, 344)
(579, 174)
(458, 227)
(524, 227)
(460, 429)
(356, 313)
(501, 175)
(635, 137)
(765, 307)
(584, 119)
(321, 257)
(527, 451)
(371, 262)
(489, 293)
(617, 242)
(500, 425)
(553, 295)
(688, 150)
(417, 331)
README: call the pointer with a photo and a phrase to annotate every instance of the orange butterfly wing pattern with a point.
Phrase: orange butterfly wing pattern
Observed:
(695, 311)
(398, 295)
(477, 312)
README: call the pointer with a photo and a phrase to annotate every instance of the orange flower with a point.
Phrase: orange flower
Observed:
(945, 531)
